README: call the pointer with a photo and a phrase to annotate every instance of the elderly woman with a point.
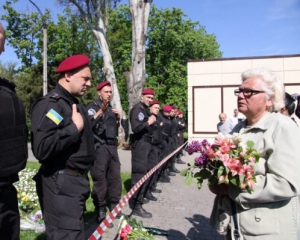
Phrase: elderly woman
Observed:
(271, 211)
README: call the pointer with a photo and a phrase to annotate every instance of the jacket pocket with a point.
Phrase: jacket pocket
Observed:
(260, 220)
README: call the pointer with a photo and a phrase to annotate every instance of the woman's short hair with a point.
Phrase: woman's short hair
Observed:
(273, 87)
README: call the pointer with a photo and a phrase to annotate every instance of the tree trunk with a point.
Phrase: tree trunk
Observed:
(136, 81)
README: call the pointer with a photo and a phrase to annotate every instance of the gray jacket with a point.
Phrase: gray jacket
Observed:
(271, 212)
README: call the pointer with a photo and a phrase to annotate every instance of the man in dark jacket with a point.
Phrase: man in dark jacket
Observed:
(106, 170)
(154, 155)
(13, 153)
(62, 141)
(140, 120)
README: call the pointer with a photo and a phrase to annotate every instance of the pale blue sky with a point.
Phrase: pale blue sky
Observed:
(243, 28)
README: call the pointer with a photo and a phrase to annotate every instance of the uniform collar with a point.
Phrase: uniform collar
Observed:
(65, 94)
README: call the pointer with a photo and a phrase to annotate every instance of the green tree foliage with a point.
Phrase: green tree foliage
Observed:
(23, 32)
(7, 70)
(119, 38)
(172, 40)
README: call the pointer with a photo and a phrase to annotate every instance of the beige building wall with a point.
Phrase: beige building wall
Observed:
(211, 84)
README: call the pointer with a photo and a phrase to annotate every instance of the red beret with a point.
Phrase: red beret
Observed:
(179, 112)
(174, 107)
(148, 91)
(154, 102)
(167, 108)
(73, 62)
(103, 84)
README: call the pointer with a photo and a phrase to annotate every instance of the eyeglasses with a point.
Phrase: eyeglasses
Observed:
(247, 92)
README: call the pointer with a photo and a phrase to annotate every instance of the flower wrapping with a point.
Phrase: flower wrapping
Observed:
(130, 229)
(227, 160)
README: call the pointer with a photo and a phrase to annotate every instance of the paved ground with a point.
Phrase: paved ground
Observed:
(182, 210)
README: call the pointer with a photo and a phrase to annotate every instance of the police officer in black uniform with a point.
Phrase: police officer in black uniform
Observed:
(140, 120)
(154, 155)
(62, 141)
(173, 139)
(164, 172)
(181, 128)
(13, 153)
(106, 170)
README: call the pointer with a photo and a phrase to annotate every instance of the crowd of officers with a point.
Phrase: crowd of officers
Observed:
(155, 135)
(69, 140)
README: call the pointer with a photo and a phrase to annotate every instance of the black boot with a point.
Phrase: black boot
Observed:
(141, 212)
(112, 206)
(101, 214)
(163, 179)
(149, 196)
(173, 169)
(155, 190)
(169, 172)
(179, 161)
(165, 174)
(145, 201)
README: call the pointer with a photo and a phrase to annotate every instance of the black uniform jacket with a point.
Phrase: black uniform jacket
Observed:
(55, 138)
(106, 125)
(139, 115)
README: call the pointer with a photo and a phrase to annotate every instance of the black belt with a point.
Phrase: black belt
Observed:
(73, 172)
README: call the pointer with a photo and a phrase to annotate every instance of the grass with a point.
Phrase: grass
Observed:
(89, 214)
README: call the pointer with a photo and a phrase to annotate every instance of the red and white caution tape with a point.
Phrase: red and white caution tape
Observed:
(112, 215)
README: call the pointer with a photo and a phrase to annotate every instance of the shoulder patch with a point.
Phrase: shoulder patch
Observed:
(91, 112)
(54, 116)
(141, 116)
(55, 96)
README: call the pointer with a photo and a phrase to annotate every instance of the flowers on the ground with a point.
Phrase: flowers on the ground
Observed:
(27, 197)
(130, 229)
(228, 159)
(38, 217)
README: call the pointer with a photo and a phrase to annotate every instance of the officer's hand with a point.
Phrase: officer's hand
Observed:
(151, 120)
(117, 113)
(104, 105)
(77, 118)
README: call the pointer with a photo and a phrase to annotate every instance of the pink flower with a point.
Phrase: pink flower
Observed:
(251, 159)
(236, 167)
(242, 154)
(128, 228)
(250, 183)
(222, 177)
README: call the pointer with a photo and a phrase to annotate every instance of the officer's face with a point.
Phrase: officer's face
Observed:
(154, 109)
(2, 39)
(167, 114)
(172, 113)
(105, 93)
(147, 99)
(79, 81)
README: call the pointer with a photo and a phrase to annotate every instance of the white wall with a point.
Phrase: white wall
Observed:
(211, 84)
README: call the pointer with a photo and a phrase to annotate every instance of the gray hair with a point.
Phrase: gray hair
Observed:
(271, 84)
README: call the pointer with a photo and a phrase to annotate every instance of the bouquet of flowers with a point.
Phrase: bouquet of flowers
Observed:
(27, 197)
(31, 217)
(228, 159)
(130, 229)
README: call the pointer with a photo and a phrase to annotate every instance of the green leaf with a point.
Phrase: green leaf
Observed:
(191, 164)
(204, 174)
(234, 181)
(250, 144)
(199, 184)
(188, 181)
(184, 172)
(220, 171)
(242, 178)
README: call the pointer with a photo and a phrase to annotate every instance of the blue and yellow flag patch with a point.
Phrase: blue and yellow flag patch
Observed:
(54, 116)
